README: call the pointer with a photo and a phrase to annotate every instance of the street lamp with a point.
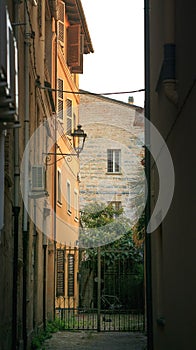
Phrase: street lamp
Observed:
(79, 138)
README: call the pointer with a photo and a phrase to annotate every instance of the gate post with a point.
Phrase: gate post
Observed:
(99, 289)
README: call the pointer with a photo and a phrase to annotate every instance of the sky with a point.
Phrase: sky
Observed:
(116, 28)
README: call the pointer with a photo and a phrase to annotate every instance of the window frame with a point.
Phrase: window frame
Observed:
(68, 197)
(59, 186)
(114, 159)
(76, 205)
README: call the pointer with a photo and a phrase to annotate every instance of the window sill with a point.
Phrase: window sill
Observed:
(76, 219)
(69, 212)
(59, 204)
(117, 173)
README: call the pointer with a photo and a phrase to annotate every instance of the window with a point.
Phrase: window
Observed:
(113, 160)
(74, 121)
(69, 116)
(68, 197)
(60, 98)
(60, 285)
(59, 200)
(75, 48)
(76, 205)
(61, 24)
(70, 275)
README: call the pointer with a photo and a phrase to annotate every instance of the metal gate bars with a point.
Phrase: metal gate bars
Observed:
(110, 293)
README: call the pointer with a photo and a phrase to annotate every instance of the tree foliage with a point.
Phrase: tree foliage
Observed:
(108, 226)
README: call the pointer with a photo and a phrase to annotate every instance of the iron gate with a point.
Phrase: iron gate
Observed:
(110, 301)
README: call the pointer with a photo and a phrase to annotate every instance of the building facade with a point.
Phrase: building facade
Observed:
(110, 168)
(172, 110)
(42, 45)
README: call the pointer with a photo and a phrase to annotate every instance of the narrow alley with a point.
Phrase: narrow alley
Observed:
(96, 341)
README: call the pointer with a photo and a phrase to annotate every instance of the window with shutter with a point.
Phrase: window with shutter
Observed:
(60, 98)
(79, 69)
(61, 23)
(69, 113)
(73, 46)
(70, 275)
(60, 286)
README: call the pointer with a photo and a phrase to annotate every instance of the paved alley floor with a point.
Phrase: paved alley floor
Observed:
(95, 341)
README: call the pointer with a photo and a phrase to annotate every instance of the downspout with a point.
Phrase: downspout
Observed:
(16, 207)
(55, 167)
(45, 246)
(44, 282)
(2, 177)
(26, 173)
(169, 74)
(148, 270)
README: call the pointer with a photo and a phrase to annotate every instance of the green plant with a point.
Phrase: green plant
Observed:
(41, 336)
(38, 340)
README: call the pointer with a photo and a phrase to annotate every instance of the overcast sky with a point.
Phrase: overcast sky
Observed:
(117, 32)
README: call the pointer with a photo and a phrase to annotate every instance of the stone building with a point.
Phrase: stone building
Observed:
(110, 168)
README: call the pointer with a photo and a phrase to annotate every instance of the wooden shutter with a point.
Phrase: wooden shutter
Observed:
(60, 98)
(70, 275)
(78, 69)
(61, 23)
(73, 45)
(60, 287)
(69, 116)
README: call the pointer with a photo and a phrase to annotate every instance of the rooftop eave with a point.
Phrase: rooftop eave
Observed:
(75, 14)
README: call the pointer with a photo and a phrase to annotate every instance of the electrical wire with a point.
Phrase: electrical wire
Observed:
(81, 92)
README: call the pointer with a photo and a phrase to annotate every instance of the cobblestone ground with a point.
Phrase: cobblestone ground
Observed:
(95, 341)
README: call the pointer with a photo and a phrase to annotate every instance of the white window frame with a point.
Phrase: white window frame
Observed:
(76, 206)
(68, 196)
(114, 155)
(59, 187)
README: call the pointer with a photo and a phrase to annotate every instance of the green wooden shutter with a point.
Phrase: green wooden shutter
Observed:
(60, 286)
(70, 275)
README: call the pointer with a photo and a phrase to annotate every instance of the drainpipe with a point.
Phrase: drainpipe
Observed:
(169, 74)
(2, 177)
(16, 207)
(26, 173)
(55, 167)
(45, 246)
(44, 285)
(148, 271)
